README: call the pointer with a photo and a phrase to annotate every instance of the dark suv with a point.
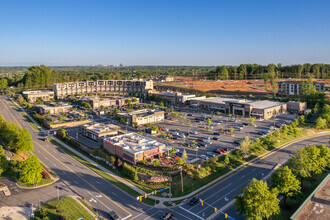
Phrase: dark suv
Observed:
(193, 201)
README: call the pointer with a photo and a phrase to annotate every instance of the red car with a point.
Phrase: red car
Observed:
(200, 139)
(218, 151)
(224, 149)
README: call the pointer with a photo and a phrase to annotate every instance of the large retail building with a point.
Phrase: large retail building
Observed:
(256, 108)
(131, 87)
(133, 147)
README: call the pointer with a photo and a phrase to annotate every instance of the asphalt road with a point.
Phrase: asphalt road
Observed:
(76, 179)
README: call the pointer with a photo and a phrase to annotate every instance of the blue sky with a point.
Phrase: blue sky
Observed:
(164, 32)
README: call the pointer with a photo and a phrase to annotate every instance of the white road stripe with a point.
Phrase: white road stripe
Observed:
(218, 191)
(98, 182)
(191, 213)
(141, 213)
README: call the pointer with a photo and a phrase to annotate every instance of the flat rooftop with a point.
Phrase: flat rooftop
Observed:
(37, 92)
(259, 104)
(134, 143)
(101, 128)
(142, 112)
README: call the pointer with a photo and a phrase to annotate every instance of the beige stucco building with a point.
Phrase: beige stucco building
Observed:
(44, 95)
(143, 116)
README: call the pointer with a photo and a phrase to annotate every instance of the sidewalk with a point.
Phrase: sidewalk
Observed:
(161, 199)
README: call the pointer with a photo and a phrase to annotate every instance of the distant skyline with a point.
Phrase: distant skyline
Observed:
(164, 32)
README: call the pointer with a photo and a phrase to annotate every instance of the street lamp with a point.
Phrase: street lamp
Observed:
(181, 179)
(196, 151)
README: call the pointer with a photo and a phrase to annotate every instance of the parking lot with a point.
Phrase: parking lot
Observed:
(224, 140)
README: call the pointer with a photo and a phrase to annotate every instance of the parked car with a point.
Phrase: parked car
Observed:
(211, 154)
(193, 132)
(218, 151)
(194, 201)
(245, 124)
(182, 135)
(216, 133)
(206, 137)
(209, 127)
(165, 129)
(200, 139)
(203, 156)
(177, 129)
(175, 138)
(215, 138)
(193, 145)
(113, 215)
(220, 121)
(179, 154)
(238, 128)
(167, 216)
(208, 142)
(202, 144)
(262, 132)
(279, 125)
(189, 114)
(237, 142)
(287, 122)
(232, 120)
(241, 125)
(224, 149)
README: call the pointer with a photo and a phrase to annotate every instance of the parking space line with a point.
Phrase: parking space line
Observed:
(178, 213)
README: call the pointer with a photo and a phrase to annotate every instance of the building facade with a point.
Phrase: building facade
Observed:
(141, 117)
(256, 108)
(53, 108)
(44, 95)
(293, 88)
(99, 131)
(174, 98)
(63, 90)
(296, 107)
(133, 147)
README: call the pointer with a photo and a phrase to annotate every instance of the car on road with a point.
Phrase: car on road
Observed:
(167, 216)
(206, 137)
(113, 215)
(193, 201)
(211, 154)
(232, 120)
(203, 156)
(215, 138)
(208, 142)
(193, 132)
(216, 133)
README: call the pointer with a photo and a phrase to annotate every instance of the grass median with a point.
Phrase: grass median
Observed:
(64, 208)
(113, 180)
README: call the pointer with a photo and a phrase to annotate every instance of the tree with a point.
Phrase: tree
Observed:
(184, 155)
(209, 122)
(146, 106)
(252, 119)
(175, 114)
(161, 105)
(231, 129)
(117, 111)
(147, 125)
(302, 119)
(24, 142)
(134, 100)
(285, 182)
(226, 160)
(135, 124)
(59, 118)
(245, 146)
(156, 162)
(257, 201)
(86, 105)
(230, 115)
(140, 132)
(155, 128)
(321, 123)
(20, 100)
(31, 171)
(62, 132)
(127, 111)
(3, 162)
(3, 84)
(128, 101)
(180, 161)
(153, 105)
(316, 108)
(193, 142)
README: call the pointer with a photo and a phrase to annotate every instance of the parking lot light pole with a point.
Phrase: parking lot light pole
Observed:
(196, 151)
(181, 179)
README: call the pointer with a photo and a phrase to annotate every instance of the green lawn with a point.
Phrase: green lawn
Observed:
(30, 122)
(66, 207)
(294, 203)
(41, 183)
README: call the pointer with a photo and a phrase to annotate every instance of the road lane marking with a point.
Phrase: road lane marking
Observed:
(242, 176)
(218, 191)
(98, 182)
(154, 214)
(114, 193)
(141, 213)
(178, 213)
(54, 164)
(191, 212)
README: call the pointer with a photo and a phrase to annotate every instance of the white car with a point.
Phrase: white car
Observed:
(193, 132)
(207, 142)
(165, 129)
(211, 154)
(206, 137)
(209, 127)
(182, 136)
(176, 134)
(203, 156)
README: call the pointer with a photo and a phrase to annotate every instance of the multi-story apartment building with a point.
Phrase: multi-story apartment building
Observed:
(62, 90)
(293, 88)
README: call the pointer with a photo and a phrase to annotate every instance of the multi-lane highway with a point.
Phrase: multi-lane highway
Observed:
(76, 179)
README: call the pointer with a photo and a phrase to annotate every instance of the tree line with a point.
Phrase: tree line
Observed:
(36, 77)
